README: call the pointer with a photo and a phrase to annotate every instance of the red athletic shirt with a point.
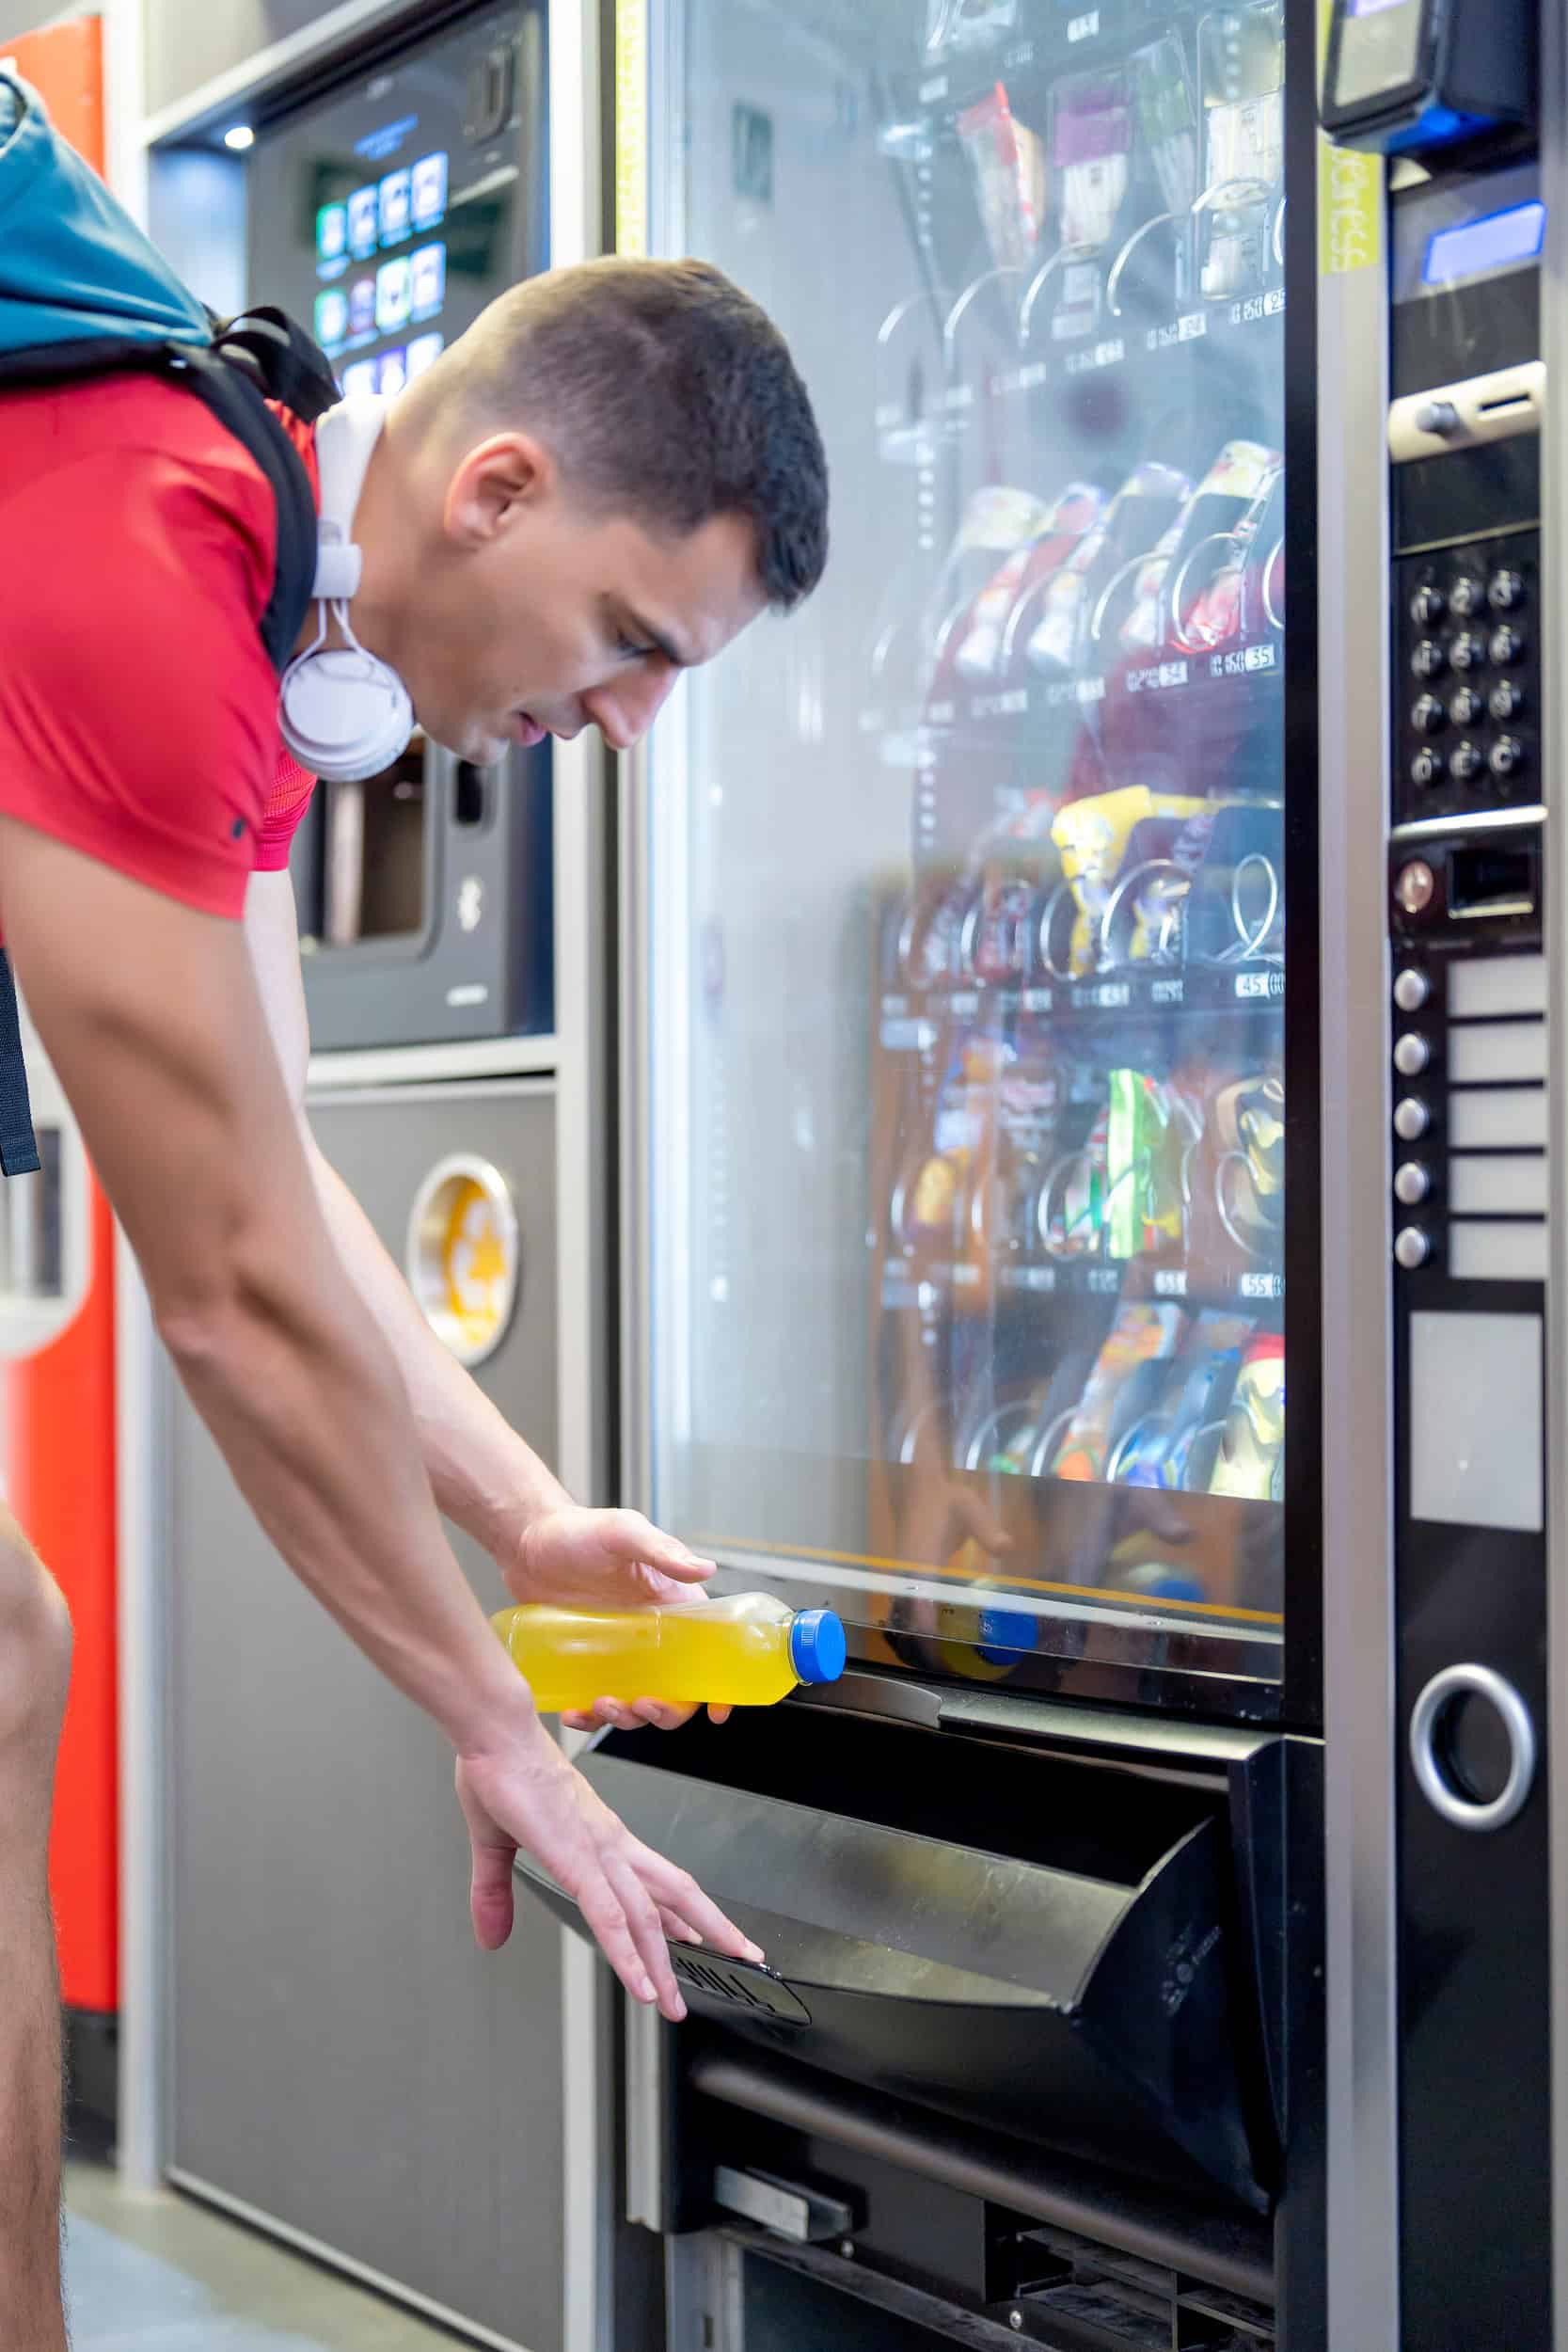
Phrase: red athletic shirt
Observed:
(138, 710)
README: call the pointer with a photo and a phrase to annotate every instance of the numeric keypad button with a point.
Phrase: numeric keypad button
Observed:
(1467, 595)
(1466, 708)
(1505, 591)
(1506, 700)
(1504, 646)
(1468, 651)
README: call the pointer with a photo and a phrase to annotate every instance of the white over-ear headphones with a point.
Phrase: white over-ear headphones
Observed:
(341, 713)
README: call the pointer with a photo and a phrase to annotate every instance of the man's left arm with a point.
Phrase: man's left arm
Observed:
(483, 1474)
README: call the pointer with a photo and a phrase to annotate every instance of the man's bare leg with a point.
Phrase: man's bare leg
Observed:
(35, 1663)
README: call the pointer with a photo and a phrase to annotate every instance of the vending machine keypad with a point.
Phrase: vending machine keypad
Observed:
(1465, 678)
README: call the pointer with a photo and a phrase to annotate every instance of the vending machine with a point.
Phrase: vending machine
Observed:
(386, 207)
(972, 1276)
(1464, 113)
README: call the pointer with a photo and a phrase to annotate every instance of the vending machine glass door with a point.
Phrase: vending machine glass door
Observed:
(980, 1091)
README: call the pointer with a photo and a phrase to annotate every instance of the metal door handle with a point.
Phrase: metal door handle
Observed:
(1481, 1682)
(785, 2207)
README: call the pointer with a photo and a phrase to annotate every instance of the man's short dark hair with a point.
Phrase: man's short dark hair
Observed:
(666, 395)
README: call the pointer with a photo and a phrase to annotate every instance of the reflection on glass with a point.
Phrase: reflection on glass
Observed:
(969, 1098)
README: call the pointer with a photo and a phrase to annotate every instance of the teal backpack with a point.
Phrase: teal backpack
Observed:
(83, 294)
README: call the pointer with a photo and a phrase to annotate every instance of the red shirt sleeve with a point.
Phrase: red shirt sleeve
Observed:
(137, 705)
(287, 802)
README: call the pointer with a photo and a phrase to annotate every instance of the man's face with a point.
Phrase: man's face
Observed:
(538, 617)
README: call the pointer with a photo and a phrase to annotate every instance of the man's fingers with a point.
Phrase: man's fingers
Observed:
(981, 1523)
(662, 1713)
(680, 1930)
(490, 1896)
(606, 1918)
(678, 1891)
(720, 1714)
(638, 1538)
(647, 1931)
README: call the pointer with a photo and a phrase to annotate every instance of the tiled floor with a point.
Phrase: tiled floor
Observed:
(161, 2273)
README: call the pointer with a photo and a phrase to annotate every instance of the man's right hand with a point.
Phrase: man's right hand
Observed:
(525, 1793)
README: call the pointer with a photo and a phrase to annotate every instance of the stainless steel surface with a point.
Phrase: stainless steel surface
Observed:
(412, 1065)
(1490, 407)
(779, 2206)
(1553, 103)
(1358, 1704)
(304, 2242)
(648, 2092)
(144, 1399)
(205, 69)
(347, 2063)
(1480, 821)
(1426, 1716)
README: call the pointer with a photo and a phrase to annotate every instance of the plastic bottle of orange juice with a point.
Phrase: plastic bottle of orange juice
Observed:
(746, 1650)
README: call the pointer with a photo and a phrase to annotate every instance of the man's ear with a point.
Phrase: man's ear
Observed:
(495, 484)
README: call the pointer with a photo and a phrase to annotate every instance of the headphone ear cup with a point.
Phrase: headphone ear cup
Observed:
(342, 714)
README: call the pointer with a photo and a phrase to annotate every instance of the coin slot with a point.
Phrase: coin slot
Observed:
(468, 794)
(1486, 880)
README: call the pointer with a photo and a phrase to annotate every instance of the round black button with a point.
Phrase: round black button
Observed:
(1464, 762)
(1506, 700)
(1427, 659)
(1505, 591)
(1426, 714)
(1466, 595)
(1467, 652)
(1425, 767)
(1506, 645)
(1427, 605)
(1465, 708)
(1507, 755)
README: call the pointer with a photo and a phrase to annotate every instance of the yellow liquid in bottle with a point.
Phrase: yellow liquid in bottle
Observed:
(733, 1652)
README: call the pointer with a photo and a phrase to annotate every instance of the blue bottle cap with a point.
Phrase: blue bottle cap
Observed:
(817, 1648)
(1005, 1631)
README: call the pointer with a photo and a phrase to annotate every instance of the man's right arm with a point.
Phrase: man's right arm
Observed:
(150, 1015)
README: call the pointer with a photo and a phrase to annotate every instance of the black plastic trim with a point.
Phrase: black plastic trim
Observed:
(1231, 2253)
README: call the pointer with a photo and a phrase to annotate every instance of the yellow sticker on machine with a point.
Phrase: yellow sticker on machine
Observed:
(1350, 193)
(1349, 209)
(632, 126)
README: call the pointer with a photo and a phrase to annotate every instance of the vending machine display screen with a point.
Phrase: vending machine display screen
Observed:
(386, 214)
(970, 883)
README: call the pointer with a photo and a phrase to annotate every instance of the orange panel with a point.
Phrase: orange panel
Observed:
(59, 1405)
(65, 65)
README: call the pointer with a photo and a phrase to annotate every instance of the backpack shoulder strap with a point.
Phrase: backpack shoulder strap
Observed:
(291, 368)
(237, 403)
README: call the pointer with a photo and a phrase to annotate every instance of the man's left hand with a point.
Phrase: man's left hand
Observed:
(583, 1559)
